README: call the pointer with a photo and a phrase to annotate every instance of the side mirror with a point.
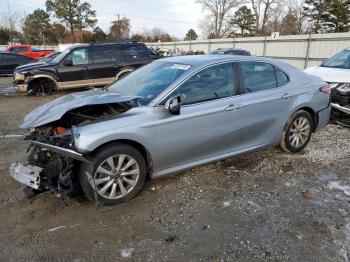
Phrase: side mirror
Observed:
(68, 62)
(173, 105)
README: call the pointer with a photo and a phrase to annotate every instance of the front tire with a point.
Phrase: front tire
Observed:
(116, 174)
(297, 132)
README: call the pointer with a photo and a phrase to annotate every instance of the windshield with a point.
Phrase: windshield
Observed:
(58, 58)
(149, 81)
(341, 60)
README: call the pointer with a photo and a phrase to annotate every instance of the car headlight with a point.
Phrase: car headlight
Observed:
(344, 88)
(19, 76)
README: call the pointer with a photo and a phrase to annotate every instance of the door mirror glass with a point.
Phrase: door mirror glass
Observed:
(68, 62)
(173, 105)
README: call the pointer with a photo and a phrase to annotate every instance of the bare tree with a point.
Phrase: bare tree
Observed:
(219, 11)
(120, 28)
(276, 14)
(268, 5)
(256, 6)
(297, 7)
(10, 19)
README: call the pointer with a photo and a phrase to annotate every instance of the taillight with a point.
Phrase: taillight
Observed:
(326, 89)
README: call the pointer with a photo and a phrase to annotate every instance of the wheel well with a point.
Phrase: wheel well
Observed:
(38, 80)
(141, 148)
(313, 115)
(124, 71)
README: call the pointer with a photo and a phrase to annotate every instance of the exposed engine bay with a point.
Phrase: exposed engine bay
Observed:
(340, 98)
(53, 160)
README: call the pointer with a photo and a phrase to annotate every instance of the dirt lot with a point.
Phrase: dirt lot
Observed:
(263, 206)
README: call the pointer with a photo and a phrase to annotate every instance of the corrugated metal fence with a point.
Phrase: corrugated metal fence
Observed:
(299, 50)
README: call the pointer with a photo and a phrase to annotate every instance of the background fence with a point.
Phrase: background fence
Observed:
(299, 50)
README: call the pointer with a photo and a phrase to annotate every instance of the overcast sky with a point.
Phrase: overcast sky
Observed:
(174, 16)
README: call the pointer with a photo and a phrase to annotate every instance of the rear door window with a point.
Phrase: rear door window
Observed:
(103, 54)
(260, 76)
(129, 53)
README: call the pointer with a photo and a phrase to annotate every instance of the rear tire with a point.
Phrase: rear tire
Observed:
(297, 132)
(116, 174)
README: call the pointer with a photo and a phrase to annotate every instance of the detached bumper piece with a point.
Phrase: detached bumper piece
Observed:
(50, 168)
(340, 101)
(27, 175)
(343, 109)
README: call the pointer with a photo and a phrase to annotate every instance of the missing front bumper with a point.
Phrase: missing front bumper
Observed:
(27, 175)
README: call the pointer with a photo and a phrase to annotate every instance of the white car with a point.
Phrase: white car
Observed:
(336, 72)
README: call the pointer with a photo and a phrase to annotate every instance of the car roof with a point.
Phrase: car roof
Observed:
(108, 43)
(231, 49)
(202, 60)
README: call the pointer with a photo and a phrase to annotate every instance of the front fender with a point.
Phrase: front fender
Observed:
(31, 78)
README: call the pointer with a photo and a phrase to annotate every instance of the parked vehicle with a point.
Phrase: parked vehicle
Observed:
(170, 115)
(27, 50)
(230, 51)
(89, 65)
(9, 61)
(336, 72)
(49, 57)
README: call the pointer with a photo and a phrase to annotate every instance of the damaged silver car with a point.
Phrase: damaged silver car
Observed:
(170, 115)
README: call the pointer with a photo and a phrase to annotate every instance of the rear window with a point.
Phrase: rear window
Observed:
(13, 57)
(129, 53)
(18, 49)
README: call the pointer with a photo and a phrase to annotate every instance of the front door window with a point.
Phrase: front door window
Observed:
(211, 83)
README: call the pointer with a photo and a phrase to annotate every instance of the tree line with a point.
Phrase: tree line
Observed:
(237, 18)
(224, 18)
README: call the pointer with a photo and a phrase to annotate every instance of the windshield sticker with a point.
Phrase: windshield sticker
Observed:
(180, 66)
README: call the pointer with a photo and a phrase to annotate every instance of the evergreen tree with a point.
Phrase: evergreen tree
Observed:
(244, 19)
(77, 15)
(191, 35)
(318, 14)
(340, 15)
(37, 27)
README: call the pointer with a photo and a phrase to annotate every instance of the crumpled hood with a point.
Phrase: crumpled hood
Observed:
(55, 109)
(330, 75)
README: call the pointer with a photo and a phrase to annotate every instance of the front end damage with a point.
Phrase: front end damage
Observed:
(340, 99)
(53, 160)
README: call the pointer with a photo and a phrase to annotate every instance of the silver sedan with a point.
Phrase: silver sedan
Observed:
(170, 115)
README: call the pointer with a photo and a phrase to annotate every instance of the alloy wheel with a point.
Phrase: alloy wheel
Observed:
(116, 176)
(299, 132)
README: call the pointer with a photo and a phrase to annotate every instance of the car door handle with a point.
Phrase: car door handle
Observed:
(233, 107)
(84, 68)
(286, 96)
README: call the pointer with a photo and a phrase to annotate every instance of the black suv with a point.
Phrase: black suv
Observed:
(89, 65)
(230, 51)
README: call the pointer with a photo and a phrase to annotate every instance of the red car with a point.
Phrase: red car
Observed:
(27, 50)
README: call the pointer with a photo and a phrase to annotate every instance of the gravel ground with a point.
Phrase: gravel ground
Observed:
(262, 206)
